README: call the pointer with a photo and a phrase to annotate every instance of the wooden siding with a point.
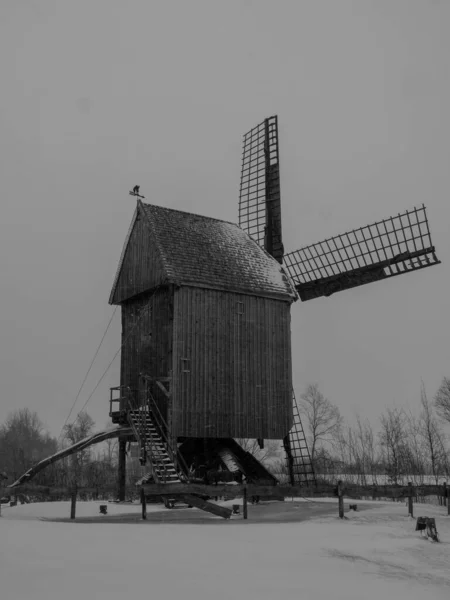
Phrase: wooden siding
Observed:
(232, 373)
(147, 340)
(142, 267)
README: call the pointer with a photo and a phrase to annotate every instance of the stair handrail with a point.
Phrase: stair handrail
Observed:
(163, 427)
(155, 460)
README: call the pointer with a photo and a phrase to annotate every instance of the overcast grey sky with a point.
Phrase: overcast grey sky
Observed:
(98, 95)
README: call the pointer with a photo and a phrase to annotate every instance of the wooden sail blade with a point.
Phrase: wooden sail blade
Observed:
(391, 247)
(259, 194)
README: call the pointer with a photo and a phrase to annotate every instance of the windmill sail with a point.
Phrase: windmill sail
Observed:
(387, 248)
(259, 196)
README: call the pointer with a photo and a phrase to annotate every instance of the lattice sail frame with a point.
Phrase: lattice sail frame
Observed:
(384, 249)
(259, 194)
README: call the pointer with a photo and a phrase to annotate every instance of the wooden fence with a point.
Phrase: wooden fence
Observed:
(409, 493)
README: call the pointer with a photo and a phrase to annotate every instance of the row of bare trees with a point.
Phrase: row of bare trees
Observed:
(403, 446)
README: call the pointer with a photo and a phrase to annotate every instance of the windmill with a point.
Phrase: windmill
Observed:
(206, 348)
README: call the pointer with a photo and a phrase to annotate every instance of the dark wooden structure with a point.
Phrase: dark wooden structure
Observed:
(205, 326)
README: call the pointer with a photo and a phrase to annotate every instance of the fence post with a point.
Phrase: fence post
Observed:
(444, 494)
(73, 501)
(410, 499)
(340, 500)
(144, 504)
(245, 503)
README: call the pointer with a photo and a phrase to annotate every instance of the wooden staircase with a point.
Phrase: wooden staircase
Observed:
(163, 461)
(153, 448)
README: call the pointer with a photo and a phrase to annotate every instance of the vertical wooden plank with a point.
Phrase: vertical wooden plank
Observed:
(121, 470)
(73, 501)
(410, 499)
(144, 504)
(341, 499)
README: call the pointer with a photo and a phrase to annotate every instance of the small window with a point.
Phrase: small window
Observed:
(240, 308)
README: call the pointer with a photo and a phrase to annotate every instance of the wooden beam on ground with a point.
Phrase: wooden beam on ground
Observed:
(215, 509)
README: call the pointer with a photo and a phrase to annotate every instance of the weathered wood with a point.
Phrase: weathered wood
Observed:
(147, 333)
(214, 509)
(232, 379)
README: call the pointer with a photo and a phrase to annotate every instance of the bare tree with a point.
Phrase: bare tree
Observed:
(442, 400)
(416, 455)
(364, 452)
(74, 432)
(323, 418)
(433, 437)
(23, 441)
(393, 439)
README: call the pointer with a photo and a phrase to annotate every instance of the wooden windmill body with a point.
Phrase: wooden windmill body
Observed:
(205, 331)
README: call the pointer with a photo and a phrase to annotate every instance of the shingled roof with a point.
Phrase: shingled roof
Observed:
(206, 252)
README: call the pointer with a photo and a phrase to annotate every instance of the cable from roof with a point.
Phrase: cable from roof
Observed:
(88, 371)
(144, 309)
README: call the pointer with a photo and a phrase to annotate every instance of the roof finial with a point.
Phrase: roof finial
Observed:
(135, 192)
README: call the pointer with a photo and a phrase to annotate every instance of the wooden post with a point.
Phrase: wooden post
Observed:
(122, 470)
(73, 501)
(410, 499)
(245, 503)
(144, 504)
(341, 499)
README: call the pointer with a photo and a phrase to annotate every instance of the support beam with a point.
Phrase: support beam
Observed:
(122, 472)
(215, 509)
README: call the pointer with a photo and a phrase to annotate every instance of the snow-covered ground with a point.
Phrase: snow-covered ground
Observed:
(373, 553)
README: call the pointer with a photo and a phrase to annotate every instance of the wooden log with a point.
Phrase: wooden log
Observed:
(214, 509)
